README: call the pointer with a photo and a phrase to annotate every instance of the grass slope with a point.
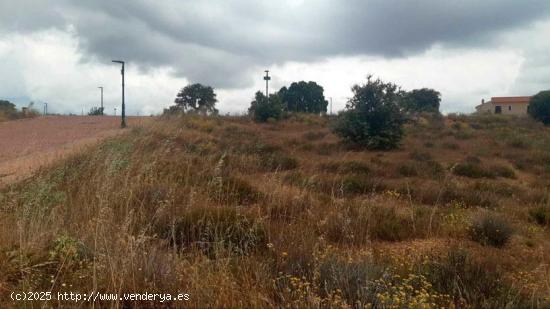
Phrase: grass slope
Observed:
(239, 214)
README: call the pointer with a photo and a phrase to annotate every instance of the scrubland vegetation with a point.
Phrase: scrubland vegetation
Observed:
(8, 111)
(240, 214)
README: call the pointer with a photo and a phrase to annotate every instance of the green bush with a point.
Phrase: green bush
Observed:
(264, 110)
(373, 119)
(539, 107)
(491, 230)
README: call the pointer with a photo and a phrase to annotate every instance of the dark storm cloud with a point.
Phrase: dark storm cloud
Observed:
(220, 42)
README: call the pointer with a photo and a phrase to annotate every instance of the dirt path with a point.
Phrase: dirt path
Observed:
(27, 144)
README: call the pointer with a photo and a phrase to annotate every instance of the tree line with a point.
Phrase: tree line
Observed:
(374, 116)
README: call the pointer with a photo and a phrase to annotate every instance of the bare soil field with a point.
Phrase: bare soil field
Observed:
(28, 144)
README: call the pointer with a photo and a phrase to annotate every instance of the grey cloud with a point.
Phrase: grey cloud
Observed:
(220, 42)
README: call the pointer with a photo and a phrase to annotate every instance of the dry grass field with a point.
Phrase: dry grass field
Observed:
(28, 144)
(245, 215)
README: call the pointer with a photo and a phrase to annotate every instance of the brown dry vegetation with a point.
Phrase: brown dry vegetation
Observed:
(245, 215)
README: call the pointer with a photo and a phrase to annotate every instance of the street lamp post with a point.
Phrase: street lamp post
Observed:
(267, 79)
(101, 100)
(123, 112)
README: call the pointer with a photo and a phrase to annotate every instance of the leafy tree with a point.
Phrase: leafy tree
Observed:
(304, 97)
(96, 111)
(372, 118)
(539, 107)
(7, 108)
(422, 100)
(261, 109)
(197, 98)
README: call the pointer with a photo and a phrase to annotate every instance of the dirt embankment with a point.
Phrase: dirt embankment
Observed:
(27, 144)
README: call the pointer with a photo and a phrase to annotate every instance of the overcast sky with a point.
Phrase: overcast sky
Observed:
(61, 51)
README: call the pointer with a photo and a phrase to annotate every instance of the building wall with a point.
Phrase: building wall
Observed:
(485, 108)
(512, 109)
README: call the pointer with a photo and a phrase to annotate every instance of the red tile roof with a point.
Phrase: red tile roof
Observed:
(509, 100)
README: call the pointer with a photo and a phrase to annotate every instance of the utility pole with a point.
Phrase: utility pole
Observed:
(101, 100)
(123, 123)
(267, 79)
(330, 105)
(45, 108)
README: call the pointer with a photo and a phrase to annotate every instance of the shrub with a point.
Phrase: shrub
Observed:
(359, 184)
(502, 171)
(314, 135)
(373, 118)
(539, 107)
(451, 146)
(278, 162)
(209, 228)
(262, 109)
(472, 170)
(519, 143)
(67, 249)
(408, 169)
(353, 279)
(468, 281)
(345, 167)
(491, 230)
(389, 225)
(541, 214)
(420, 156)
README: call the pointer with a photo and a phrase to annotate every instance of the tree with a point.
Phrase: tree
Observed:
(372, 118)
(304, 97)
(422, 100)
(7, 108)
(262, 110)
(197, 98)
(96, 111)
(539, 107)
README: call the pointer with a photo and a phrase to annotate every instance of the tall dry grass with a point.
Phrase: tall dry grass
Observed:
(242, 215)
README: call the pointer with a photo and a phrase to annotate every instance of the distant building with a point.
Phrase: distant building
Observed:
(505, 105)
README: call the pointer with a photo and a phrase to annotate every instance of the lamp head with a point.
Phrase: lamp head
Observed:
(118, 61)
